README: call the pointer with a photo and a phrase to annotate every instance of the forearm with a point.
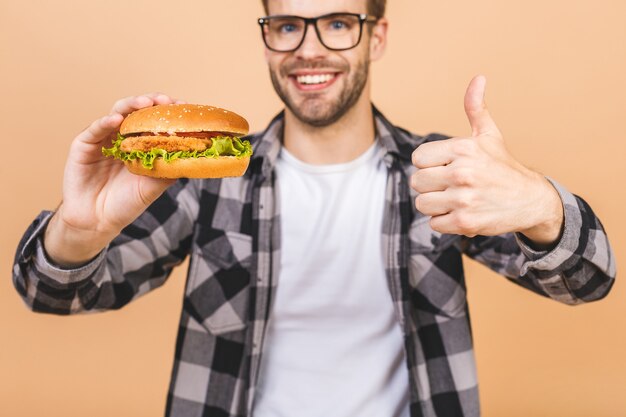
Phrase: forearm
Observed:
(46, 287)
(139, 259)
(579, 267)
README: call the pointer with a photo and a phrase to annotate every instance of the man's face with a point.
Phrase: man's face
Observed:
(316, 84)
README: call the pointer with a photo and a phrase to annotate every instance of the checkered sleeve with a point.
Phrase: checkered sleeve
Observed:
(580, 268)
(135, 262)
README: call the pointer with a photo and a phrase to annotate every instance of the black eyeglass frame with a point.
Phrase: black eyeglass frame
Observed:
(363, 18)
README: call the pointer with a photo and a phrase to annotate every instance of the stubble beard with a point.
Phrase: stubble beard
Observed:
(314, 110)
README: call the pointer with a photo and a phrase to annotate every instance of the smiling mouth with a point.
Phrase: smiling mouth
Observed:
(314, 81)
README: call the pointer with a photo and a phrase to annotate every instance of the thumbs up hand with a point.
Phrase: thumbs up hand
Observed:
(473, 186)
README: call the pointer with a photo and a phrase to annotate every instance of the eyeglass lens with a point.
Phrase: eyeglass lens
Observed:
(339, 31)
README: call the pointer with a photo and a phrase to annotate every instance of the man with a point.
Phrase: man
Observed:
(328, 280)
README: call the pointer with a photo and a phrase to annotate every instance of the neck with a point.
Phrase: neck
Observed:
(340, 142)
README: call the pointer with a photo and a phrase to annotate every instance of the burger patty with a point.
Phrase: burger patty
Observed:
(168, 143)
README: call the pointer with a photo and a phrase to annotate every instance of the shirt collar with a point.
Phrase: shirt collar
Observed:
(398, 144)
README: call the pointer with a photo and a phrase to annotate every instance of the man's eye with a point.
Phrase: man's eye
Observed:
(288, 28)
(338, 24)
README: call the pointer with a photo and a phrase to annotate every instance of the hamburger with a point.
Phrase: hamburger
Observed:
(183, 141)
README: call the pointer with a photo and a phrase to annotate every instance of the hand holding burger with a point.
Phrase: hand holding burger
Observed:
(101, 196)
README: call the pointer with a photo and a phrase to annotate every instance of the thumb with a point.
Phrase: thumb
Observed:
(476, 109)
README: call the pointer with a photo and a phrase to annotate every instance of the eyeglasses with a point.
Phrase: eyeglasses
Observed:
(336, 31)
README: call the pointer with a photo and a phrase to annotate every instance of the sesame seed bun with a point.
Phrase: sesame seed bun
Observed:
(172, 118)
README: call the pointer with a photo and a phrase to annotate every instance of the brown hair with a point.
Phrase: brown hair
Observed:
(374, 7)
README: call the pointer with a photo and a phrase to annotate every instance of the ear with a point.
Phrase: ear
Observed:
(378, 39)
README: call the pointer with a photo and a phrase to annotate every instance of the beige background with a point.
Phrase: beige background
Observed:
(556, 88)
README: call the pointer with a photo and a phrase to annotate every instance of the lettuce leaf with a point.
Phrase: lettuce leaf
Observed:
(220, 146)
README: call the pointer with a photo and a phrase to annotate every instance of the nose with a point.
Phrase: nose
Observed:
(311, 45)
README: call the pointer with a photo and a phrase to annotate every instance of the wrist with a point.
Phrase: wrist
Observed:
(548, 227)
(68, 246)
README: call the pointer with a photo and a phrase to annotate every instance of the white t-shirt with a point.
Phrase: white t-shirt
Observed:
(333, 345)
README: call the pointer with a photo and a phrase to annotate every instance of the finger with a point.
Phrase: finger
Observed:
(163, 99)
(455, 223)
(130, 104)
(430, 179)
(151, 188)
(100, 129)
(433, 154)
(479, 118)
(434, 203)
(160, 98)
(444, 223)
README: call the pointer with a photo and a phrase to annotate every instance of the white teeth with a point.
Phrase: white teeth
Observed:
(314, 79)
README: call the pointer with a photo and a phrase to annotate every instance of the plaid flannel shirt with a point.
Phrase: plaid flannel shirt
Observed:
(230, 230)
